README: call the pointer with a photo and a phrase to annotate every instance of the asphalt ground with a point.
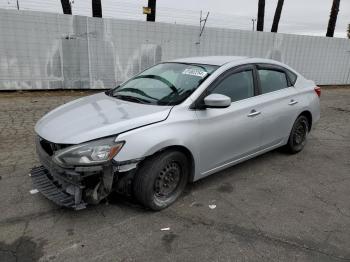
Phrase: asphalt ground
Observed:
(276, 207)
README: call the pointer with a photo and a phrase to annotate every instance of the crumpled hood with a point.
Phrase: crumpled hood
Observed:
(96, 116)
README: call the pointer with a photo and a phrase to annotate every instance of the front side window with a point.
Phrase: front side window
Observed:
(272, 80)
(164, 84)
(237, 86)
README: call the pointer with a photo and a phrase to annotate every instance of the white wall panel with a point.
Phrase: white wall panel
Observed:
(51, 51)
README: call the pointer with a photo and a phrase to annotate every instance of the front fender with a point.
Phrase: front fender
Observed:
(147, 140)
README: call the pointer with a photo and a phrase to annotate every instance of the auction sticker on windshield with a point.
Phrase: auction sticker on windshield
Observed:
(194, 72)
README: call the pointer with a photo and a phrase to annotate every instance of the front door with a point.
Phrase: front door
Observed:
(229, 134)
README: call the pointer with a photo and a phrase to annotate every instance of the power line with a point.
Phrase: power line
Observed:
(133, 11)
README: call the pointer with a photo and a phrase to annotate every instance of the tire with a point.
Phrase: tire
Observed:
(298, 135)
(161, 179)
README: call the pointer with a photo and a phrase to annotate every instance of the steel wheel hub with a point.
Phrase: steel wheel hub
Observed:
(167, 180)
(300, 133)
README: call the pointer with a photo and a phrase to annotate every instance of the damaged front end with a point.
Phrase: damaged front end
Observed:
(76, 175)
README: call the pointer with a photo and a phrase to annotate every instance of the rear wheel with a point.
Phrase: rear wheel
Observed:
(298, 135)
(161, 179)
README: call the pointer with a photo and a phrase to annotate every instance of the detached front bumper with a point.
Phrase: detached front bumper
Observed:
(62, 186)
(51, 189)
(76, 187)
(69, 187)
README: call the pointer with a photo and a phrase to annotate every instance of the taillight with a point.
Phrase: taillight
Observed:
(318, 90)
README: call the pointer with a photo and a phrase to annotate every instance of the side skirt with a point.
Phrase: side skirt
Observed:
(237, 161)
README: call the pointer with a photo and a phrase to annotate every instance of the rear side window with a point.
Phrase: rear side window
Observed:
(272, 80)
(237, 86)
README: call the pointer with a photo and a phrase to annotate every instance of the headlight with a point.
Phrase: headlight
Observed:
(90, 153)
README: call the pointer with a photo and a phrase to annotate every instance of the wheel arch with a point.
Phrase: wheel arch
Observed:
(308, 115)
(183, 150)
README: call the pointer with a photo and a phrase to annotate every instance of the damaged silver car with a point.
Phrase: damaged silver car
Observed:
(174, 123)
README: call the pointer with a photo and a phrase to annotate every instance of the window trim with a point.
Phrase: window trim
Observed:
(199, 102)
(294, 74)
(279, 68)
(272, 67)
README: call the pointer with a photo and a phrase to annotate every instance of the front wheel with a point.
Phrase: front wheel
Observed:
(161, 179)
(298, 135)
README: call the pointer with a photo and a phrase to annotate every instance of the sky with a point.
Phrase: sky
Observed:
(309, 17)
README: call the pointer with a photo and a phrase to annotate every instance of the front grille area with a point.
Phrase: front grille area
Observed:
(49, 147)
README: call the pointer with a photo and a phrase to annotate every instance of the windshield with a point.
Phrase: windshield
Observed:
(163, 84)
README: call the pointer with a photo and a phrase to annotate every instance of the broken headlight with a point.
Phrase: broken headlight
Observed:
(90, 153)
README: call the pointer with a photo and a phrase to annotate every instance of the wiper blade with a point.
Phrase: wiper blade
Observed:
(132, 99)
(109, 92)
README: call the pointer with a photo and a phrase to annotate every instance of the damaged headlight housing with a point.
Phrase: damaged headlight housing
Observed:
(90, 153)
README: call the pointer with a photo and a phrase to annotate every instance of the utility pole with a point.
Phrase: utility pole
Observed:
(151, 15)
(261, 15)
(253, 21)
(17, 5)
(201, 27)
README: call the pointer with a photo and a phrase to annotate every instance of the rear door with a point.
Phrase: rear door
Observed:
(228, 134)
(278, 104)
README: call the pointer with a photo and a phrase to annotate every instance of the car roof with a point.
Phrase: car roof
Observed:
(210, 60)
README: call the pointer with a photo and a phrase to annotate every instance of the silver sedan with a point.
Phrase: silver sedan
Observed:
(174, 123)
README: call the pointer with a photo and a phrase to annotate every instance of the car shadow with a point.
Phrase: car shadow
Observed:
(233, 172)
(215, 179)
(218, 179)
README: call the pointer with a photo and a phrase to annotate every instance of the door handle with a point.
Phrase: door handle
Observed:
(292, 102)
(254, 113)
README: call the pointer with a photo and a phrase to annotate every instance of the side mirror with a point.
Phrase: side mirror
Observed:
(217, 101)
